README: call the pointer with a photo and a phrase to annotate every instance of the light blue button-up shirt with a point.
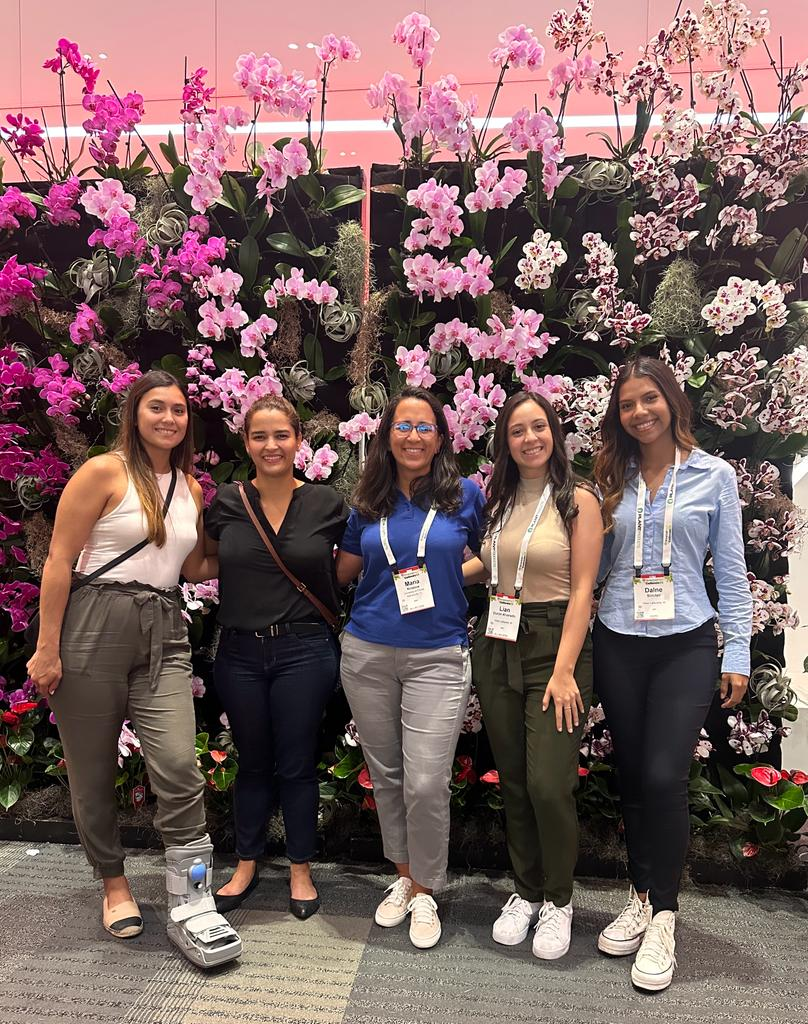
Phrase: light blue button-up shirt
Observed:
(707, 516)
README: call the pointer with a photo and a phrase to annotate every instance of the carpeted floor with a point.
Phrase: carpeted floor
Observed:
(741, 957)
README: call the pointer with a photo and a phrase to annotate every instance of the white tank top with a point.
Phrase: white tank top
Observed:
(125, 525)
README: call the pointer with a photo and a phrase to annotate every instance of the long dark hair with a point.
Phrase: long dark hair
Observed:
(376, 492)
(505, 478)
(138, 464)
(618, 449)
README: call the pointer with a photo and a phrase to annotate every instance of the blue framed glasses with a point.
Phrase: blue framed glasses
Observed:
(405, 427)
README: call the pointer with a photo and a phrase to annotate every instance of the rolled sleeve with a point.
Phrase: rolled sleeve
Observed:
(729, 562)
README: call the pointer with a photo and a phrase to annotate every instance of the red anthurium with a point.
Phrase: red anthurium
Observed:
(369, 803)
(766, 775)
(23, 706)
(786, 774)
(465, 773)
(363, 778)
(492, 776)
(582, 771)
(9, 718)
(218, 756)
(750, 850)
(798, 777)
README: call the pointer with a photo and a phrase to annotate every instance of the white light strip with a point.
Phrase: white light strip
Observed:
(378, 126)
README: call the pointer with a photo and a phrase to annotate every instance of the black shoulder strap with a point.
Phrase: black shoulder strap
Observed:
(133, 550)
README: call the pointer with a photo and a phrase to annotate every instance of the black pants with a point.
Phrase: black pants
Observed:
(274, 691)
(656, 692)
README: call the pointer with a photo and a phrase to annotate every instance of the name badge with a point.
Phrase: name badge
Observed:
(653, 597)
(413, 589)
(504, 614)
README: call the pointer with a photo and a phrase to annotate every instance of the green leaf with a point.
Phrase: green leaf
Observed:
(21, 741)
(335, 373)
(169, 151)
(178, 177)
(201, 743)
(221, 472)
(702, 785)
(10, 794)
(248, 257)
(174, 365)
(282, 241)
(342, 195)
(568, 189)
(797, 115)
(260, 222)
(789, 799)
(733, 788)
(769, 831)
(233, 195)
(788, 256)
(312, 187)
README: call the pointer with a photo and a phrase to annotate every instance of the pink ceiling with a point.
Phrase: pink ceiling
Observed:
(146, 45)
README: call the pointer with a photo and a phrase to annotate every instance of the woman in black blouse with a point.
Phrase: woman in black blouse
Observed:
(277, 661)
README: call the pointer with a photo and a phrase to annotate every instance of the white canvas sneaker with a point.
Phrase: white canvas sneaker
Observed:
(393, 908)
(655, 961)
(517, 918)
(552, 938)
(624, 934)
(424, 921)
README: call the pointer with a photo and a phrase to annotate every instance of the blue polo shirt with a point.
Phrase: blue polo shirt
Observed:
(375, 616)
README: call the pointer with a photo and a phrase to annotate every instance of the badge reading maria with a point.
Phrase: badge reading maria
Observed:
(653, 592)
(413, 589)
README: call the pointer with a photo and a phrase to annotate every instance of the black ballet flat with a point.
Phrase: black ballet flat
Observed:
(224, 904)
(303, 909)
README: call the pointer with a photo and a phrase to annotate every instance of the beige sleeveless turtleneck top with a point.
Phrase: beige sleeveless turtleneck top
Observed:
(547, 574)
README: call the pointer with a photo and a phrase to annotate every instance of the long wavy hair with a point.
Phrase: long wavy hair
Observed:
(375, 494)
(504, 480)
(129, 444)
(619, 457)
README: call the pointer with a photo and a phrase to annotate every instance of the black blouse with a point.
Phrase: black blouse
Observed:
(253, 592)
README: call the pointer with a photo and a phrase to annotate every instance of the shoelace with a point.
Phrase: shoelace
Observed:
(658, 944)
(399, 892)
(631, 914)
(516, 908)
(423, 908)
(550, 920)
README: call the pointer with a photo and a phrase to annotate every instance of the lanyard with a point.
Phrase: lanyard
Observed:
(391, 558)
(667, 527)
(520, 566)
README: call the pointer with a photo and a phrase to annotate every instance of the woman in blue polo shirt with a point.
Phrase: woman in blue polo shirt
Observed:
(666, 503)
(405, 660)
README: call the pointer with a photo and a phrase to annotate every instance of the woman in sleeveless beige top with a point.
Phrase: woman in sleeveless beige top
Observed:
(532, 660)
(116, 648)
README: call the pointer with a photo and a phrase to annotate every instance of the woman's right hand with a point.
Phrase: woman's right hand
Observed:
(45, 671)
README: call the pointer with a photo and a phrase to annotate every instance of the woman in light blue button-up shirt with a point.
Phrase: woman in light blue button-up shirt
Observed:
(667, 505)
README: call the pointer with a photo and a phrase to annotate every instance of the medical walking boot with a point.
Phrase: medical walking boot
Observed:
(194, 925)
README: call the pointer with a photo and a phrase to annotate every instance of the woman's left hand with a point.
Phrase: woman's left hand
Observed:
(733, 688)
(569, 705)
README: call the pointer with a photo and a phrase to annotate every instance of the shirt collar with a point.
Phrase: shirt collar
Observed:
(697, 459)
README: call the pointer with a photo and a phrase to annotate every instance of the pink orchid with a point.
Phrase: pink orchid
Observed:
(321, 463)
(414, 363)
(86, 328)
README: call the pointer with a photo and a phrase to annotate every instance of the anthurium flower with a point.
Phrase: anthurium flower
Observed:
(492, 777)
(363, 778)
(766, 775)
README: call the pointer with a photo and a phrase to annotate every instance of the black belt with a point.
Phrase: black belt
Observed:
(282, 629)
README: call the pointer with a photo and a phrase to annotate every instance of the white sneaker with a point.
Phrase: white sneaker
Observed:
(424, 921)
(552, 938)
(624, 934)
(517, 918)
(393, 908)
(655, 961)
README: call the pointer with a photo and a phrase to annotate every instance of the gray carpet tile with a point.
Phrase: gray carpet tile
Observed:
(740, 956)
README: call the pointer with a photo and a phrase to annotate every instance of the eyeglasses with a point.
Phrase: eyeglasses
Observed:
(405, 427)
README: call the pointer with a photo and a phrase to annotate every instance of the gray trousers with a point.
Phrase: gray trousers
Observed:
(125, 654)
(409, 705)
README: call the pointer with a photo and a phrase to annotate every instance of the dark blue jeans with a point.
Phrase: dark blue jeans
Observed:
(274, 691)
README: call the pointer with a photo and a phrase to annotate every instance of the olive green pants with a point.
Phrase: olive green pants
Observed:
(537, 764)
(125, 654)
